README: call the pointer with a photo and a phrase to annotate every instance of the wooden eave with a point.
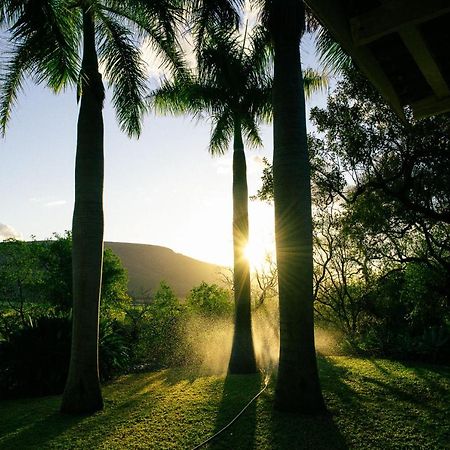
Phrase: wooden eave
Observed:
(412, 75)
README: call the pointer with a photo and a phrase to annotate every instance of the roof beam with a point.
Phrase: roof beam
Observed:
(416, 45)
(393, 15)
(332, 15)
(430, 106)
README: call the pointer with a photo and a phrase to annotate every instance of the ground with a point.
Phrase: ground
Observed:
(374, 404)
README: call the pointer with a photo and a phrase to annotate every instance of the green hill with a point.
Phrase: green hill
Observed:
(148, 265)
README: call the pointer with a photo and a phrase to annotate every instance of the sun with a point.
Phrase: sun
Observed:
(257, 254)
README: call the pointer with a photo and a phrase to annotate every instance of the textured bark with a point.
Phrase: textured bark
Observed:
(242, 358)
(82, 393)
(298, 389)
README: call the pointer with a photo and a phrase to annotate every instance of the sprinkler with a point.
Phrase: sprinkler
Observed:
(266, 377)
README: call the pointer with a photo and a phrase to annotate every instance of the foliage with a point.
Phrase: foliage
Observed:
(155, 330)
(44, 43)
(114, 349)
(373, 404)
(34, 360)
(388, 180)
(209, 300)
(22, 276)
(381, 226)
(35, 324)
(36, 276)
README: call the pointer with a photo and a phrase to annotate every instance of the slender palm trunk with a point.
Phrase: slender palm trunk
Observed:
(242, 358)
(82, 393)
(298, 387)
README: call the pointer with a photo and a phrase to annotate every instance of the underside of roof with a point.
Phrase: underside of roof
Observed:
(403, 47)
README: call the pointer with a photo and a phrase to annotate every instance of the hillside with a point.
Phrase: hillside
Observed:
(148, 265)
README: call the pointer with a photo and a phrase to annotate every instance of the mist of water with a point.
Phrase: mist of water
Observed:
(210, 339)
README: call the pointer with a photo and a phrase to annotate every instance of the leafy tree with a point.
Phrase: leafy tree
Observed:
(22, 278)
(395, 186)
(60, 43)
(209, 300)
(36, 277)
(156, 330)
(58, 275)
(380, 191)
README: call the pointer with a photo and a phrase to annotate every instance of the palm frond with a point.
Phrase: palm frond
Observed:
(221, 133)
(155, 21)
(251, 131)
(124, 71)
(10, 11)
(207, 15)
(55, 30)
(260, 55)
(170, 98)
(331, 54)
(259, 102)
(187, 95)
(314, 81)
(11, 82)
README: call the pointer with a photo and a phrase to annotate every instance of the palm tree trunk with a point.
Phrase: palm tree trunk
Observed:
(298, 387)
(82, 393)
(242, 358)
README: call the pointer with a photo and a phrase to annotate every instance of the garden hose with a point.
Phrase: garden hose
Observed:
(266, 382)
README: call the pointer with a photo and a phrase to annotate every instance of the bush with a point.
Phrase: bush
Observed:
(209, 300)
(156, 331)
(114, 349)
(35, 359)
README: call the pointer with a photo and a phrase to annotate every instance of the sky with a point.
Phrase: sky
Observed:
(163, 189)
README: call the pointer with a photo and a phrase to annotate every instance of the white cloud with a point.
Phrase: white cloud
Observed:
(48, 202)
(7, 232)
(55, 203)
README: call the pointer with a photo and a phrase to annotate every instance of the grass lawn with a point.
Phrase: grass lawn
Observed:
(373, 404)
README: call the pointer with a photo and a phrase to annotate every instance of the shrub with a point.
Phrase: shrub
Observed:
(35, 359)
(209, 300)
(156, 330)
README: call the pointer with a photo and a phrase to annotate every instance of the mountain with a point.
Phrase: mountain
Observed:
(148, 265)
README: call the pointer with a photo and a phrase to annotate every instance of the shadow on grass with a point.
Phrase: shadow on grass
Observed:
(387, 404)
(262, 427)
(41, 422)
(46, 424)
(297, 431)
(238, 390)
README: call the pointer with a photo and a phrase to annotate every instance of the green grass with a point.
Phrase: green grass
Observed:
(373, 404)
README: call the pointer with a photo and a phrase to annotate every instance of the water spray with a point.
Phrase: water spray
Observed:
(266, 377)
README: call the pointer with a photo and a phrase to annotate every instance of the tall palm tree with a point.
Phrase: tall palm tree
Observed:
(234, 90)
(298, 387)
(60, 43)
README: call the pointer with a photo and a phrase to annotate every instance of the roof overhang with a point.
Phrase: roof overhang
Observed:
(402, 46)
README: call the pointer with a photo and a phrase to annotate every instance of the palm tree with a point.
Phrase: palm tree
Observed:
(234, 91)
(46, 38)
(298, 387)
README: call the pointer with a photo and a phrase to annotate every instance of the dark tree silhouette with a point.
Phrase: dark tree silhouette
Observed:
(59, 43)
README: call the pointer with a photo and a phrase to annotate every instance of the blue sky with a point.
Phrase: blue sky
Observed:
(164, 189)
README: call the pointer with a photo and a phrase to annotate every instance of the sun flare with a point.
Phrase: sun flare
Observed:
(258, 254)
